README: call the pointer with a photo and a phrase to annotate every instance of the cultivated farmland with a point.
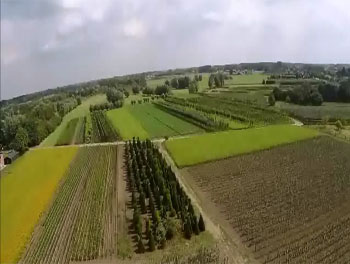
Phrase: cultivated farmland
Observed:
(126, 124)
(73, 132)
(27, 187)
(147, 121)
(81, 223)
(245, 79)
(213, 146)
(102, 129)
(288, 205)
(332, 111)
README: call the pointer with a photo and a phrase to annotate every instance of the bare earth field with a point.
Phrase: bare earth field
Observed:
(290, 204)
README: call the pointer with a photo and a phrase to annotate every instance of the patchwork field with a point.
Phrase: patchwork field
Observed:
(289, 204)
(213, 146)
(81, 223)
(27, 187)
(80, 111)
(148, 121)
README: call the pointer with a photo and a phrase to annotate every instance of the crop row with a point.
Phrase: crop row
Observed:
(102, 129)
(75, 225)
(232, 109)
(193, 116)
(293, 209)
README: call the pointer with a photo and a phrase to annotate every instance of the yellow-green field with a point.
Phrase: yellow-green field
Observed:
(126, 124)
(212, 146)
(27, 187)
(79, 111)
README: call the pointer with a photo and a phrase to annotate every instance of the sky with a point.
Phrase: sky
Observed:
(50, 43)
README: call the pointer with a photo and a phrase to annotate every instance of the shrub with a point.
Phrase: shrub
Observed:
(271, 99)
(201, 224)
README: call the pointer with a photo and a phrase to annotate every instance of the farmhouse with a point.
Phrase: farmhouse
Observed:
(7, 157)
(2, 162)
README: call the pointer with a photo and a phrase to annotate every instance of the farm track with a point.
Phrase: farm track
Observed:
(229, 247)
(81, 223)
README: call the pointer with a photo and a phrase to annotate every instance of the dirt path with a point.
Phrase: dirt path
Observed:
(122, 228)
(228, 241)
(296, 122)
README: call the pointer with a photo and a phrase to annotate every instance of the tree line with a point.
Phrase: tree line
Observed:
(158, 201)
(26, 125)
(306, 94)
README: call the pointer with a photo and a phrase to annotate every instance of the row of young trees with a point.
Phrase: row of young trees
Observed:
(217, 80)
(158, 200)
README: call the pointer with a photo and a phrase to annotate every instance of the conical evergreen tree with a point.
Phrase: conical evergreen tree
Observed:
(151, 242)
(140, 245)
(201, 224)
(187, 230)
(195, 227)
(143, 203)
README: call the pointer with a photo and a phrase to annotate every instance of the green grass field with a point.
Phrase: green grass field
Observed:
(27, 187)
(183, 93)
(213, 146)
(79, 111)
(147, 121)
(67, 135)
(159, 123)
(126, 124)
(255, 78)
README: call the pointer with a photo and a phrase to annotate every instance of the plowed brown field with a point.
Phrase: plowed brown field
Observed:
(290, 204)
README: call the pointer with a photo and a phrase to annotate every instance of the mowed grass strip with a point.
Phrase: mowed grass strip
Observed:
(126, 124)
(213, 146)
(148, 121)
(159, 123)
(68, 133)
(27, 187)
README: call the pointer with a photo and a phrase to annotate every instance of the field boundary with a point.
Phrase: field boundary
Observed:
(232, 252)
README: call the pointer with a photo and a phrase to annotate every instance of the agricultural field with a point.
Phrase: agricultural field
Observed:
(254, 78)
(289, 204)
(326, 111)
(147, 121)
(183, 93)
(126, 124)
(213, 146)
(102, 129)
(246, 112)
(27, 187)
(73, 133)
(81, 222)
(80, 111)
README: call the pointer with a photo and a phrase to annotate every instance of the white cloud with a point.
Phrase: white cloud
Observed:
(134, 28)
(75, 40)
(212, 16)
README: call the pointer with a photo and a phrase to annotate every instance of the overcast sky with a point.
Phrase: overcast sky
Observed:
(48, 43)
